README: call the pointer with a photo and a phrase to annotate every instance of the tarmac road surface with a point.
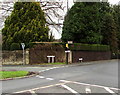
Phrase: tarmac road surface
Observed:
(101, 77)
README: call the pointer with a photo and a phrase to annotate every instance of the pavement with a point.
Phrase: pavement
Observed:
(97, 77)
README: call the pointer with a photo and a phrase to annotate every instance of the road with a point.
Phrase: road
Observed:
(101, 77)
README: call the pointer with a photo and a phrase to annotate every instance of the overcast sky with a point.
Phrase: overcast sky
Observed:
(113, 1)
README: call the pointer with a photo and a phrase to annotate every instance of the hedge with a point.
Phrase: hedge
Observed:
(89, 47)
(15, 46)
(73, 47)
(83, 47)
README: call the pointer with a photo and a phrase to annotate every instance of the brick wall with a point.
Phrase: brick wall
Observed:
(90, 56)
(39, 53)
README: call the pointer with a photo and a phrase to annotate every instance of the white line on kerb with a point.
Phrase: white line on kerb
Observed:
(64, 81)
(48, 69)
(109, 90)
(70, 89)
(40, 76)
(49, 78)
(41, 71)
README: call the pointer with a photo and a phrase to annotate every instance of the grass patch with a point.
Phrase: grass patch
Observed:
(56, 63)
(12, 74)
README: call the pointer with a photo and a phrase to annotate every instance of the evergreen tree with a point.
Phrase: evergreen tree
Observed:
(82, 23)
(116, 15)
(109, 32)
(25, 24)
(91, 22)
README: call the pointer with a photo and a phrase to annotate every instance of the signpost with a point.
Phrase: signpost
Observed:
(23, 47)
(67, 51)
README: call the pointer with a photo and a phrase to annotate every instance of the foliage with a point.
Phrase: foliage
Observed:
(15, 46)
(89, 47)
(109, 32)
(116, 15)
(80, 24)
(25, 24)
(77, 46)
(91, 23)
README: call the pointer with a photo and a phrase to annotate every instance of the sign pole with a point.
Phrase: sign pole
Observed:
(67, 51)
(67, 58)
(23, 46)
(23, 57)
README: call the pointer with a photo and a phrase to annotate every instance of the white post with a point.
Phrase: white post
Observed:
(52, 59)
(48, 59)
(23, 46)
(23, 57)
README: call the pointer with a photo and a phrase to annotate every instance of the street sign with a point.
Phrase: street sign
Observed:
(66, 45)
(23, 45)
(67, 51)
(70, 42)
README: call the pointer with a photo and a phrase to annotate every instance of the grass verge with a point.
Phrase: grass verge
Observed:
(57, 63)
(12, 74)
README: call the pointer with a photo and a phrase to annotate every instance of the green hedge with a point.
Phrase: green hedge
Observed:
(89, 47)
(74, 46)
(82, 47)
(15, 46)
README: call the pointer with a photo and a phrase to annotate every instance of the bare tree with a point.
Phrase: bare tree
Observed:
(5, 10)
(54, 12)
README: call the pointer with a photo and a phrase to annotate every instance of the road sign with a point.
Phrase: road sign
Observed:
(67, 51)
(66, 45)
(70, 42)
(23, 45)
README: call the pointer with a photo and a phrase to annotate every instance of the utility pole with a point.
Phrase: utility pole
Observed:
(67, 5)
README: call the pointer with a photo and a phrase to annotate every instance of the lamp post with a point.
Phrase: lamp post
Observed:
(23, 46)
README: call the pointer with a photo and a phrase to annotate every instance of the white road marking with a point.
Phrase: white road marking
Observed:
(51, 68)
(93, 85)
(39, 88)
(109, 90)
(48, 69)
(64, 66)
(54, 67)
(88, 90)
(32, 67)
(41, 71)
(64, 81)
(70, 89)
(49, 78)
(40, 76)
